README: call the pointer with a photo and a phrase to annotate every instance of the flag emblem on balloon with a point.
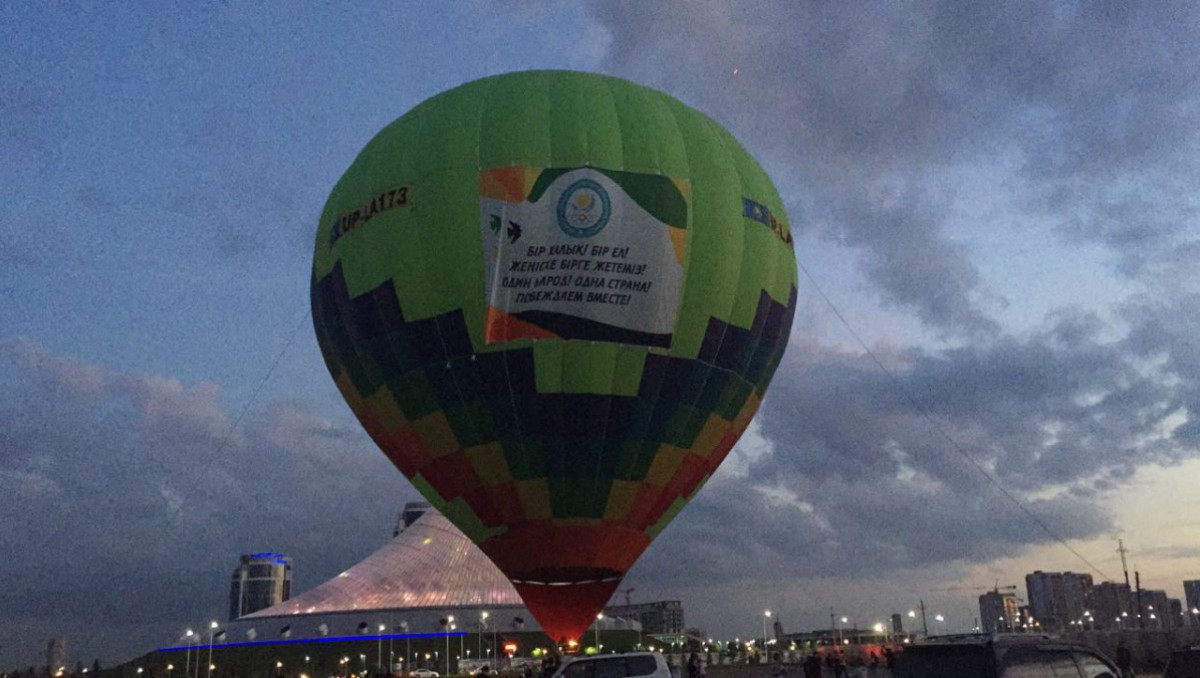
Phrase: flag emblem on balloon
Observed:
(583, 209)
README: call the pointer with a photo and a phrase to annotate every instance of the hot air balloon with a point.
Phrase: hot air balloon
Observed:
(554, 300)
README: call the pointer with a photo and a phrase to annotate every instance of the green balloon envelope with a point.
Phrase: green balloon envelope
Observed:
(555, 300)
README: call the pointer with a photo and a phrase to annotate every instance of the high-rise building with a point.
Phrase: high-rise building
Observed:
(998, 612)
(1112, 606)
(1058, 599)
(663, 617)
(260, 581)
(1191, 600)
(56, 656)
(1156, 610)
(409, 514)
(1076, 590)
(1043, 588)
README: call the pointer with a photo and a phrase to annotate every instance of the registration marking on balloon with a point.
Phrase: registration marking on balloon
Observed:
(578, 253)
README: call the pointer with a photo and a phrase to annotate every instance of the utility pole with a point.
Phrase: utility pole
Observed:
(1137, 578)
(1122, 550)
(924, 623)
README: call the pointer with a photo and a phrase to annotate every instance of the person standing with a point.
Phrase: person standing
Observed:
(778, 670)
(812, 666)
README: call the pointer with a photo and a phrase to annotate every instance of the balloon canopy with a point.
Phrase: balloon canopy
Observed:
(554, 300)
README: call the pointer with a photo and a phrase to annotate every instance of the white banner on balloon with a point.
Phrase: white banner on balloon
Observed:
(570, 254)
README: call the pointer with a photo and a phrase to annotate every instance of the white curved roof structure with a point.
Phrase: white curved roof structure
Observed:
(430, 579)
(430, 564)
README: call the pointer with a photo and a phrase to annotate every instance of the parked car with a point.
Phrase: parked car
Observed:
(1184, 663)
(424, 673)
(1002, 656)
(627, 665)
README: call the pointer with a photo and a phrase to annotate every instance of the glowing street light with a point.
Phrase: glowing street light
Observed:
(599, 617)
(379, 648)
(212, 629)
(449, 625)
(407, 643)
(479, 636)
(187, 663)
(766, 616)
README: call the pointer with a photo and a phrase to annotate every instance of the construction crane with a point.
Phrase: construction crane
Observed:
(996, 588)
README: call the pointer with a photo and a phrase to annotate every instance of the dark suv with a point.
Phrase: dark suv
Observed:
(1184, 663)
(1002, 656)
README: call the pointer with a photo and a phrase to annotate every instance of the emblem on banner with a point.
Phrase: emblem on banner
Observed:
(584, 209)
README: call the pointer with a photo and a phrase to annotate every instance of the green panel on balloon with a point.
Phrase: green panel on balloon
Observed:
(555, 300)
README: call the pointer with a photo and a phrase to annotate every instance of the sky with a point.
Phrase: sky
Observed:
(994, 365)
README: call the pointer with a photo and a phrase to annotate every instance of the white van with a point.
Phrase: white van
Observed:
(628, 665)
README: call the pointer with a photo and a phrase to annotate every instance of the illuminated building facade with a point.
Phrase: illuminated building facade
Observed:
(260, 581)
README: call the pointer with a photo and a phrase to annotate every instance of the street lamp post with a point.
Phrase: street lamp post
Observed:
(379, 649)
(479, 636)
(599, 616)
(449, 625)
(766, 616)
(187, 662)
(407, 644)
(212, 629)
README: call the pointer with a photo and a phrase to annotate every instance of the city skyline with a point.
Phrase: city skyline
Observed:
(992, 369)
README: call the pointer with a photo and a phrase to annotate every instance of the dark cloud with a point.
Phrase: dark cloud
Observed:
(853, 471)
(139, 479)
(867, 118)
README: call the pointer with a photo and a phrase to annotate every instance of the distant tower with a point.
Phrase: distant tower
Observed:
(56, 656)
(260, 581)
(409, 514)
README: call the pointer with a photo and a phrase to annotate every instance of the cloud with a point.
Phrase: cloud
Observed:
(140, 476)
(853, 472)
(1086, 114)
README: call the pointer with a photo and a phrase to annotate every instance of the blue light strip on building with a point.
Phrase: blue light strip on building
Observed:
(293, 641)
